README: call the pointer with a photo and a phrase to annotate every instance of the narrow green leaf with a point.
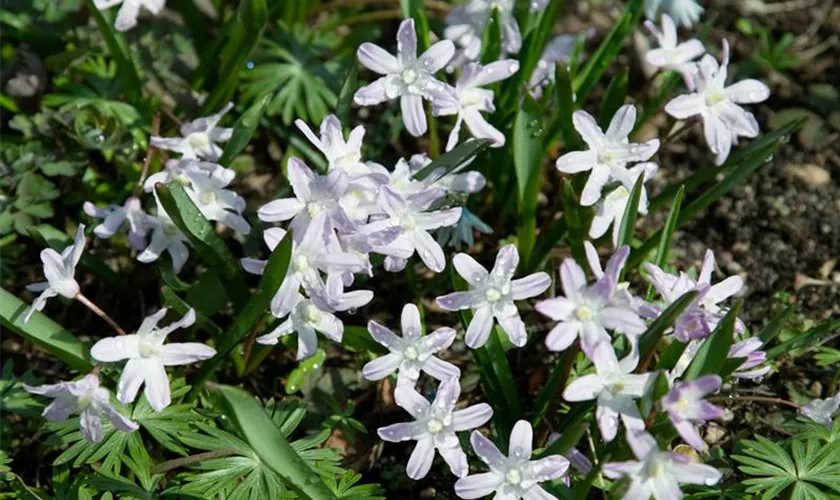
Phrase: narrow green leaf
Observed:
(358, 339)
(711, 357)
(568, 440)
(564, 101)
(547, 240)
(553, 387)
(667, 233)
(44, 333)
(305, 367)
(345, 97)
(650, 339)
(246, 29)
(654, 104)
(265, 438)
(614, 99)
(774, 327)
(527, 163)
(455, 158)
(491, 42)
(272, 278)
(804, 339)
(631, 212)
(573, 215)
(243, 130)
(118, 48)
(608, 50)
(203, 238)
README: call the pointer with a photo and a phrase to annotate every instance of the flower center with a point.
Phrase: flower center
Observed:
(311, 313)
(434, 426)
(714, 97)
(408, 222)
(314, 209)
(583, 313)
(410, 353)
(199, 140)
(83, 402)
(207, 197)
(656, 469)
(493, 295)
(301, 263)
(147, 350)
(408, 76)
(513, 477)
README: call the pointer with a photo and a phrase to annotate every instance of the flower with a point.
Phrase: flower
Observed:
(406, 76)
(658, 473)
(127, 16)
(434, 427)
(608, 153)
(821, 411)
(462, 232)
(492, 295)
(557, 50)
(87, 398)
(472, 100)
(587, 311)
(305, 318)
(451, 181)
(219, 204)
(199, 137)
(686, 12)
(147, 356)
(750, 351)
(723, 120)
(314, 194)
(466, 24)
(411, 353)
(672, 55)
(114, 218)
(341, 155)
(686, 408)
(60, 270)
(611, 211)
(185, 170)
(514, 476)
(614, 386)
(410, 222)
(166, 237)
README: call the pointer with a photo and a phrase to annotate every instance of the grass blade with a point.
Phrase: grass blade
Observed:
(667, 233)
(126, 72)
(712, 356)
(631, 213)
(527, 162)
(613, 99)
(455, 158)
(573, 214)
(650, 339)
(345, 97)
(44, 333)
(564, 100)
(244, 130)
(265, 438)
(774, 327)
(549, 396)
(805, 339)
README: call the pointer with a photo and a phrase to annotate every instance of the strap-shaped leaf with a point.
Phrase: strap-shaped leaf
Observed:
(712, 356)
(203, 238)
(265, 438)
(564, 101)
(614, 99)
(650, 339)
(804, 339)
(44, 333)
(631, 213)
(527, 162)
(345, 97)
(774, 327)
(126, 71)
(455, 158)
(244, 130)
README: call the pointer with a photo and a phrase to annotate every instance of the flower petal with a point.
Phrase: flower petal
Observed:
(521, 440)
(622, 123)
(377, 59)
(487, 451)
(585, 388)
(404, 431)
(514, 327)
(280, 210)
(562, 335)
(437, 56)
(111, 349)
(184, 354)
(686, 106)
(469, 269)
(381, 367)
(421, 458)
(530, 286)
(413, 115)
(157, 384)
(477, 485)
(479, 328)
(471, 417)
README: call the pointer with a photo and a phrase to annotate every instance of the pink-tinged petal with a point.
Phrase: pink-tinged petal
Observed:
(469, 269)
(440, 370)
(280, 210)
(477, 485)
(622, 123)
(157, 384)
(572, 278)
(725, 289)
(377, 59)
(479, 328)
(691, 473)
(487, 451)
(588, 129)
(622, 320)
(562, 336)
(183, 354)
(686, 106)
(748, 91)
(373, 93)
(429, 250)
(577, 161)
(457, 301)
(558, 308)
(413, 115)
(421, 458)
(585, 388)
(404, 431)
(407, 40)
(411, 401)
(514, 327)
(521, 439)
(437, 56)
(688, 432)
(598, 178)
(410, 322)
(691, 49)
(381, 367)
(111, 349)
(530, 286)
(481, 128)
(301, 178)
(384, 335)
(642, 443)
(658, 57)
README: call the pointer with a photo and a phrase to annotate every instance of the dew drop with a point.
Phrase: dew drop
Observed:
(769, 159)
(513, 68)
(249, 65)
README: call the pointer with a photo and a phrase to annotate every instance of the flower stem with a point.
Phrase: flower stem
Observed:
(150, 153)
(99, 312)
(198, 457)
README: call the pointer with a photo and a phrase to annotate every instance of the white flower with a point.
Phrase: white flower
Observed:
(514, 476)
(723, 120)
(492, 295)
(60, 270)
(557, 50)
(147, 356)
(671, 54)
(114, 218)
(658, 473)
(127, 16)
(472, 101)
(185, 170)
(411, 353)
(685, 12)
(166, 237)
(434, 427)
(406, 76)
(199, 137)
(219, 204)
(306, 318)
(611, 210)
(614, 386)
(341, 155)
(608, 154)
(453, 181)
(821, 410)
(87, 398)
(466, 24)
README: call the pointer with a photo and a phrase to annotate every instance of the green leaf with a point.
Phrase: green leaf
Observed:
(118, 48)
(804, 339)
(243, 130)
(573, 214)
(608, 50)
(614, 99)
(631, 212)
(649, 340)
(245, 321)
(44, 333)
(654, 105)
(203, 238)
(491, 43)
(774, 327)
(564, 101)
(455, 158)
(244, 30)
(345, 97)
(553, 386)
(527, 162)
(712, 356)
(263, 435)
(306, 367)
